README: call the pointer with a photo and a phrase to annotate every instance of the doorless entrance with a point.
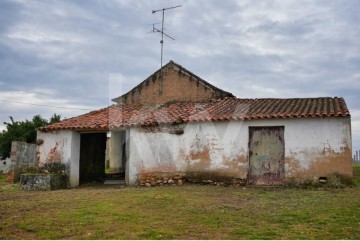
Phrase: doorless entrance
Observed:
(92, 156)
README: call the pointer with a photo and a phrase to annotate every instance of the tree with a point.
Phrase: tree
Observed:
(22, 131)
(54, 118)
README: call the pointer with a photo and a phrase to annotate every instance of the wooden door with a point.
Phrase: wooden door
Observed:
(266, 155)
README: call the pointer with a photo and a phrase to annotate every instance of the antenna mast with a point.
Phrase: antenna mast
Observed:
(155, 30)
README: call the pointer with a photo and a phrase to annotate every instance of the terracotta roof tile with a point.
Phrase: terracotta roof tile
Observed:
(231, 108)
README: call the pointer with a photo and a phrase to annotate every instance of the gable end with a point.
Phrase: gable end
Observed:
(177, 84)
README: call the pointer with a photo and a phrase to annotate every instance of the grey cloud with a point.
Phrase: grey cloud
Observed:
(8, 14)
(251, 48)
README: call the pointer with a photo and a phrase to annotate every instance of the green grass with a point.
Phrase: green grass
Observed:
(3, 179)
(356, 173)
(184, 212)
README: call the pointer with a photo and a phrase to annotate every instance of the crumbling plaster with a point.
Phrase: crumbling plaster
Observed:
(314, 147)
(61, 146)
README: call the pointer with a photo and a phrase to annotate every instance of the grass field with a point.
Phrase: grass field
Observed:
(184, 212)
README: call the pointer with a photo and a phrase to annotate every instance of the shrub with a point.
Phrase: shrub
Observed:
(53, 168)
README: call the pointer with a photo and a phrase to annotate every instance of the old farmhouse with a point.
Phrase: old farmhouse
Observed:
(179, 127)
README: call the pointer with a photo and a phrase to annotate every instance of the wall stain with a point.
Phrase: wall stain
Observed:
(293, 168)
(198, 161)
(321, 164)
(168, 167)
(328, 150)
(54, 154)
(337, 162)
(237, 167)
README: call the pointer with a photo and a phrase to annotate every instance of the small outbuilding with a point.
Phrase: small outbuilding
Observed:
(176, 126)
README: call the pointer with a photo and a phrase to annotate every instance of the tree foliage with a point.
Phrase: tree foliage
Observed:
(22, 131)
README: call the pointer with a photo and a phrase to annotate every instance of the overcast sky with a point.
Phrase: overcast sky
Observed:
(80, 54)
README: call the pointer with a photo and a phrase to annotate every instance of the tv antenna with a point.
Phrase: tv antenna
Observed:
(155, 30)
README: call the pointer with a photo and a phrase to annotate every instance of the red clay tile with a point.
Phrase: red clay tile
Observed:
(230, 108)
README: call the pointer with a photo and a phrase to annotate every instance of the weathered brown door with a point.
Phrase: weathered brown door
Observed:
(266, 155)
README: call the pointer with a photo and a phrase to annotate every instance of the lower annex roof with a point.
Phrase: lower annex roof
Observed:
(226, 109)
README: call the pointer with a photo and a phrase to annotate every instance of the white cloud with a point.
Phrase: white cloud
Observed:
(25, 104)
(45, 42)
(38, 35)
(22, 99)
(118, 85)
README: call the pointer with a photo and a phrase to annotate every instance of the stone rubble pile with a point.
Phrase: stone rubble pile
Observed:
(152, 180)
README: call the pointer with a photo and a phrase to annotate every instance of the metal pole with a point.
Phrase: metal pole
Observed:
(162, 46)
(162, 41)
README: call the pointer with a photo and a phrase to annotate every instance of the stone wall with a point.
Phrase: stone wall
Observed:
(23, 156)
(166, 179)
(43, 182)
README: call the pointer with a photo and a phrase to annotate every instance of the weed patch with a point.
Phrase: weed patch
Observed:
(356, 174)
(3, 179)
(151, 234)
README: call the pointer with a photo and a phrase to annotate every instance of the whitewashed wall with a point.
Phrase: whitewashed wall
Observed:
(314, 147)
(61, 146)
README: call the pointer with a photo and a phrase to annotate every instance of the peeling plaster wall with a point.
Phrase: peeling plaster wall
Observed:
(319, 148)
(61, 146)
(314, 147)
(116, 143)
(206, 149)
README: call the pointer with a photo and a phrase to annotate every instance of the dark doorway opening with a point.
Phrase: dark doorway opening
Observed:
(92, 157)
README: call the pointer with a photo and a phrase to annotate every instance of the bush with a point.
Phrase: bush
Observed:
(48, 168)
(31, 170)
(53, 168)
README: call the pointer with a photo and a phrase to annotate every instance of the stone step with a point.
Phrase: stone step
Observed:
(114, 182)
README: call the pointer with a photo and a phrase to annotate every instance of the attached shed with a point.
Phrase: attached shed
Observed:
(204, 136)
